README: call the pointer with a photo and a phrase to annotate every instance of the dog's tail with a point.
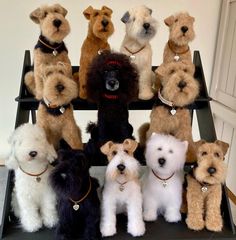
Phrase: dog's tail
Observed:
(142, 133)
(30, 82)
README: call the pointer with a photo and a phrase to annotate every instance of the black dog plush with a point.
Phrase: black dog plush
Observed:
(78, 203)
(112, 82)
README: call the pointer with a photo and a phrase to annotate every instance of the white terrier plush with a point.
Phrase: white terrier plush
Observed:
(162, 184)
(33, 199)
(140, 29)
(122, 190)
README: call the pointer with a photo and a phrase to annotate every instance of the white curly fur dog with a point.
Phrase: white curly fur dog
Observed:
(141, 27)
(162, 183)
(122, 190)
(33, 199)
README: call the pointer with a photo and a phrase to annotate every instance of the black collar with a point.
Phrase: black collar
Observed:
(43, 42)
(57, 111)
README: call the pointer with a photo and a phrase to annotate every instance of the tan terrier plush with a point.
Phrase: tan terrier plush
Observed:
(50, 48)
(99, 30)
(204, 191)
(55, 112)
(170, 114)
(181, 33)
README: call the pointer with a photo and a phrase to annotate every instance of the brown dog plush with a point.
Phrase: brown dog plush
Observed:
(181, 33)
(55, 112)
(99, 30)
(170, 114)
(204, 191)
(50, 48)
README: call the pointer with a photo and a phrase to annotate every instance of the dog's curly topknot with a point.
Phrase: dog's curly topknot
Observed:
(128, 76)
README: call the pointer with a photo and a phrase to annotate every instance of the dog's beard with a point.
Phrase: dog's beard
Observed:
(147, 34)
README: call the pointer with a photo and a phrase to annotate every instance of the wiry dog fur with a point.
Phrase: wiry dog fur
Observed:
(33, 202)
(179, 87)
(165, 156)
(140, 29)
(54, 28)
(122, 190)
(99, 30)
(71, 180)
(55, 112)
(210, 172)
(181, 33)
(112, 83)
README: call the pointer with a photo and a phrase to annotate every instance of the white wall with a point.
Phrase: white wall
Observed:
(18, 33)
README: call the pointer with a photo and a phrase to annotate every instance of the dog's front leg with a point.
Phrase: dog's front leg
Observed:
(145, 85)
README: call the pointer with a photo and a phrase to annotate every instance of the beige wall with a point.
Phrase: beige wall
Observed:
(18, 33)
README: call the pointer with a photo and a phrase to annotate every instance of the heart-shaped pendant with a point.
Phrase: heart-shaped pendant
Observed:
(204, 189)
(164, 184)
(172, 111)
(76, 207)
(99, 52)
(38, 179)
(176, 58)
(62, 109)
(121, 188)
(132, 57)
(54, 52)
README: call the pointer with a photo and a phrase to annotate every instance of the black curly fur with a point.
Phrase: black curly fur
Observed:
(70, 179)
(112, 123)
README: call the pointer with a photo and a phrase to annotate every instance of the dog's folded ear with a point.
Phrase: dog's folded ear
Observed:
(107, 9)
(169, 21)
(161, 71)
(223, 145)
(11, 161)
(150, 11)
(199, 143)
(105, 149)
(125, 17)
(36, 15)
(60, 9)
(130, 145)
(87, 12)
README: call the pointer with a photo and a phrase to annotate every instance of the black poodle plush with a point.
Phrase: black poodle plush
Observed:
(112, 83)
(78, 203)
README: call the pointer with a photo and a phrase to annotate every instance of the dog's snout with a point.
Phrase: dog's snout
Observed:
(60, 87)
(112, 83)
(146, 25)
(161, 161)
(184, 29)
(57, 23)
(211, 170)
(33, 154)
(104, 22)
(121, 167)
(182, 84)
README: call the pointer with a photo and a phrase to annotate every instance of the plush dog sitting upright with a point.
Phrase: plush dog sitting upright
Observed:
(50, 48)
(181, 33)
(33, 199)
(162, 184)
(170, 114)
(55, 112)
(204, 191)
(112, 83)
(122, 190)
(99, 30)
(140, 29)
(78, 203)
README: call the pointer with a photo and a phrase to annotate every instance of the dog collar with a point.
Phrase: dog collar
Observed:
(163, 180)
(109, 96)
(168, 103)
(177, 53)
(38, 178)
(47, 47)
(132, 56)
(53, 109)
(76, 205)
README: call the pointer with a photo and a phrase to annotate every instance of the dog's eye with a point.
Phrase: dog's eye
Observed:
(170, 151)
(176, 20)
(106, 14)
(216, 154)
(159, 149)
(126, 151)
(185, 70)
(134, 19)
(45, 14)
(114, 153)
(48, 73)
(61, 72)
(204, 153)
(56, 11)
(95, 14)
(172, 71)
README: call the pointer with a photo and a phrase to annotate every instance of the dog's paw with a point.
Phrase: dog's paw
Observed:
(149, 216)
(136, 229)
(108, 230)
(195, 223)
(214, 224)
(173, 217)
(31, 224)
(51, 221)
(146, 95)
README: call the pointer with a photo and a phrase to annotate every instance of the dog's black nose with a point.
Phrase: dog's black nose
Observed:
(161, 161)
(121, 167)
(57, 23)
(146, 25)
(211, 170)
(182, 84)
(60, 87)
(104, 22)
(33, 154)
(112, 83)
(184, 29)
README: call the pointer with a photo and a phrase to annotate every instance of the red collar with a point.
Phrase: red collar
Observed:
(108, 96)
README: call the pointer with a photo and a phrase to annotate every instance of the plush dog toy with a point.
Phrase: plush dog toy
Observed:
(122, 190)
(140, 29)
(170, 114)
(112, 83)
(99, 30)
(50, 48)
(55, 112)
(162, 184)
(181, 33)
(78, 204)
(204, 191)
(33, 200)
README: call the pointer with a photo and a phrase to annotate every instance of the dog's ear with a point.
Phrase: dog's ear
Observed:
(130, 145)
(51, 153)
(11, 161)
(169, 21)
(223, 145)
(185, 144)
(61, 9)
(107, 9)
(105, 149)
(87, 12)
(150, 11)
(36, 15)
(125, 17)
(161, 71)
(199, 143)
